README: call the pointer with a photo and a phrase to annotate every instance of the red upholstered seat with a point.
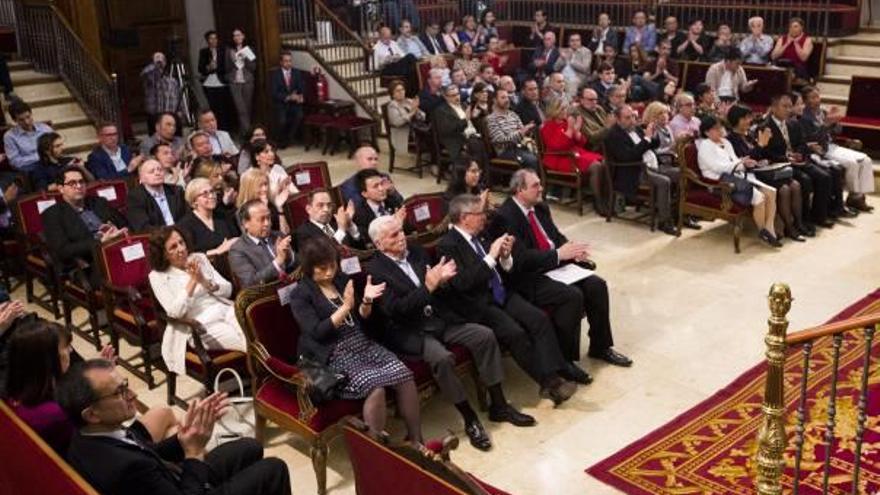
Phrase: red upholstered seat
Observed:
(491, 490)
(317, 119)
(872, 121)
(425, 211)
(308, 176)
(709, 200)
(281, 397)
(114, 191)
(295, 210)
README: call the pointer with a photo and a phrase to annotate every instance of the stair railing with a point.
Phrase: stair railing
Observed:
(772, 438)
(51, 45)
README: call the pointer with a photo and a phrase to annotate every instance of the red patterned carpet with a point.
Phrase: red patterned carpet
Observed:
(710, 449)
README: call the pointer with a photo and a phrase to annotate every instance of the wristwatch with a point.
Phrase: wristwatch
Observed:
(367, 300)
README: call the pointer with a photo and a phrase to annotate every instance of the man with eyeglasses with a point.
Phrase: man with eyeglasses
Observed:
(326, 220)
(77, 223)
(596, 120)
(117, 459)
(154, 203)
(110, 159)
(454, 130)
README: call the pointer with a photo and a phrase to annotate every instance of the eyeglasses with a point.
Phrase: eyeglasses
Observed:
(121, 391)
(480, 212)
(75, 183)
(591, 99)
(206, 193)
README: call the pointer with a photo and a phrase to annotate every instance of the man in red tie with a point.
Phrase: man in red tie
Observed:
(542, 247)
(286, 87)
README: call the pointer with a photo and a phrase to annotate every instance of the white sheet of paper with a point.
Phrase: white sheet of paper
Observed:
(133, 252)
(569, 274)
(108, 193)
(248, 53)
(44, 204)
(284, 293)
(302, 178)
(350, 265)
(422, 212)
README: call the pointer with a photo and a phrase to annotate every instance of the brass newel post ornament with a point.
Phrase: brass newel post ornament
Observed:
(771, 436)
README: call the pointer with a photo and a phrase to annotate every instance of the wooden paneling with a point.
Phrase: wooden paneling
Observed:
(82, 15)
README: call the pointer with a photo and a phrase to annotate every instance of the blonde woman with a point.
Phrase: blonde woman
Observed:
(254, 184)
(211, 231)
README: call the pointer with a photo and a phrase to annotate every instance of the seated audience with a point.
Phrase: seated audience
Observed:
(607, 78)
(615, 97)
(789, 201)
(466, 179)
(432, 94)
(454, 129)
(266, 160)
(421, 324)
(123, 460)
(246, 156)
(111, 159)
(627, 142)
(561, 132)
(728, 78)
(402, 112)
(756, 47)
(794, 48)
(77, 224)
(540, 27)
(555, 90)
(507, 84)
(254, 184)
(20, 141)
(596, 121)
(479, 106)
(188, 286)
(662, 69)
(603, 35)
(199, 146)
(326, 220)
(439, 62)
(482, 292)
(409, 42)
(366, 157)
(375, 201)
(467, 62)
(718, 161)
(469, 33)
(209, 231)
(176, 171)
(153, 203)
(330, 317)
(464, 86)
(706, 103)
(640, 33)
(722, 45)
(671, 33)
(495, 57)
(209, 169)
(544, 57)
(449, 38)
(50, 149)
(685, 122)
(529, 108)
(575, 63)
(390, 59)
(487, 76)
(260, 255)
(696, 44)
(221, 142)
(287, 90)
(431, 39)
(487, 29)
(526, 217)
(165, 129)
(819, 127)
(640, 87)
(662, 172)
(508, 135)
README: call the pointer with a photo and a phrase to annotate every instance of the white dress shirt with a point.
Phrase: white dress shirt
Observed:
(506, 263)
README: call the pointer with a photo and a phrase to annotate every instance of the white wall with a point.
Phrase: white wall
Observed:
(305, 62)
(199, 18)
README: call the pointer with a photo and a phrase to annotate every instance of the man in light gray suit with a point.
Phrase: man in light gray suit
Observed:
(260, 255)
(575, 63)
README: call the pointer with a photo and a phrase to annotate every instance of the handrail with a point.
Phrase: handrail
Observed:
(341, 25)
(814, 333)
(99, 67)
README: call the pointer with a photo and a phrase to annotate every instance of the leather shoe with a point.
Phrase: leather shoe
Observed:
(691, 223)
(670, 229)
(827, 224)
(478, 436)
(769, 238)
(507, 414)
(558, 390)
(807, 229)
(795, 235)
(575, 373)
(846, 212)
(612, 357)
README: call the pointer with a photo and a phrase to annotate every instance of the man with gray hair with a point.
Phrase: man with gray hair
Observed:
(481, 292)
(431, 96)
(422, 324)
(756, 47)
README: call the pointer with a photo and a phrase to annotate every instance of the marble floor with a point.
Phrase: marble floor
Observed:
(690, 312)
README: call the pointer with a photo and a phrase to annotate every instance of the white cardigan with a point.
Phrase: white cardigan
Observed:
(716, 159)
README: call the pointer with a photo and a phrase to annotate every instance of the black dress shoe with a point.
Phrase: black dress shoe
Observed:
(478, 436)
(557, 390)
(807, 229)
(826, 224)
(507, 414)
(612, 357)
(670, 229)
(795, 235)
(575, 373)
(691, 223)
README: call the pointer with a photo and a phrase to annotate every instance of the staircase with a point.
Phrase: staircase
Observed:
(52, 101)
(853, 55)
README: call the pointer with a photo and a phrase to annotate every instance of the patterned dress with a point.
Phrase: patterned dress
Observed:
(367, 364)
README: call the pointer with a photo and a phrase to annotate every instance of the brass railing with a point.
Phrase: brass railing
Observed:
(772, 438)
(52, 46)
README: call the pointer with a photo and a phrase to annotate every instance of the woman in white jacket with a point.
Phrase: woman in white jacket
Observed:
(718, 161)
(187, 286)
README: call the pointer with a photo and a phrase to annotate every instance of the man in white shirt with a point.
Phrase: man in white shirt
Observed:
(410, 43)
(221, 142)
(390, 59)
(728, 78)
(323, 222)
(757, 46)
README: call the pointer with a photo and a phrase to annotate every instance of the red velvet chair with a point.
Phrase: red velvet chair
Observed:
(421, 139)
(114, 191)
(294, 210)
(571, 179)
(706, 198)
(30, 466)
(308, 176)
(425, 213)
(33, 254)
(349, 127)
(380, 468)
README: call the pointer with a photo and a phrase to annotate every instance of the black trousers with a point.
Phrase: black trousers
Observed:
(526, 331)
(287, 119)
(838, 181)
(816, 183)
(239, 467)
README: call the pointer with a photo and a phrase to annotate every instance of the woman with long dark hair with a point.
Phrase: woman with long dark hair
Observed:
(241, 65)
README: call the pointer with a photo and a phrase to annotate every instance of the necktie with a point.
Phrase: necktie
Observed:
(176, 471)
(499, 295)
(437, 49)
(382, 210)
(390, 51)
(269, 247)
(540, 237)
(784, 129)
(287, 78)
(328, 230)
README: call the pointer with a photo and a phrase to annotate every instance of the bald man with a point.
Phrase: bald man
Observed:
(366, 157)
(153, 203)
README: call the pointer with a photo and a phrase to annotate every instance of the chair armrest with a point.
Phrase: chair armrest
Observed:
(79, 275)
(624, 164)
(854, 144)
(125, 296)
(286, 373)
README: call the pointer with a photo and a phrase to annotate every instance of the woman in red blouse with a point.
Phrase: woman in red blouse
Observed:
(561, 132)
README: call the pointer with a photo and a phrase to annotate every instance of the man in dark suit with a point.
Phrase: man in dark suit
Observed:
(544, 58)
(286, 89)
(117, 460)
(626, 142)
(154, 203)
(323, 222)
(455, 132)
(525, 216)
(481, 292)
(421, 324)
(787, 145)
(365, 157)
(529, 108)
(376, 201)
(260, 255)
(430, 40)
(77, 224)
(110, 159)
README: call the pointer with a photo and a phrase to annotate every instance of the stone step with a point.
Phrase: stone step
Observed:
(855, 48)
(17, 65)
(38, 95)
(27, 77)
(834, 87)
(78, 139)
(835, 100)
(62, 116)
(851, 66)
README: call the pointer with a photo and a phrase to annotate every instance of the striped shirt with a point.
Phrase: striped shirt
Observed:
(504, 129)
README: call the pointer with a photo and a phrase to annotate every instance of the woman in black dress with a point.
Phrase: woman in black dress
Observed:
(467, 178)
(329, 315)
(209, 231)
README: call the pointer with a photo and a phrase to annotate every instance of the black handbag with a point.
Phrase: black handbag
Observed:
(323, 382)
(775, 175)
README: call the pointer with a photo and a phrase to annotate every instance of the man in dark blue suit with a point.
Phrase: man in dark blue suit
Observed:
(286, 89)
(430, 40)
(110, 159)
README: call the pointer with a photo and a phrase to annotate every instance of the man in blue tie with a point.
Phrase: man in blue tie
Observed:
(478, 293)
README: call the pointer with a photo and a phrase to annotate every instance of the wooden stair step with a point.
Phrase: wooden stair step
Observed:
(28, 76)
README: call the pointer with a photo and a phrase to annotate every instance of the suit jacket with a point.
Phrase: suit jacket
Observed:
(143, 211)
(620, 148)
(205, 59)
(612, 37)
(775, 151)
(249, 69)
(279, 91)
(426, 40)
(403, 305)
(363, 215)
(307, 230)
(449, 127)
(312, 312)
(115, 467)
(252, 263)
(509, 219)
(551, 56)
(528, 112)
(68, 237)
(101, 166)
